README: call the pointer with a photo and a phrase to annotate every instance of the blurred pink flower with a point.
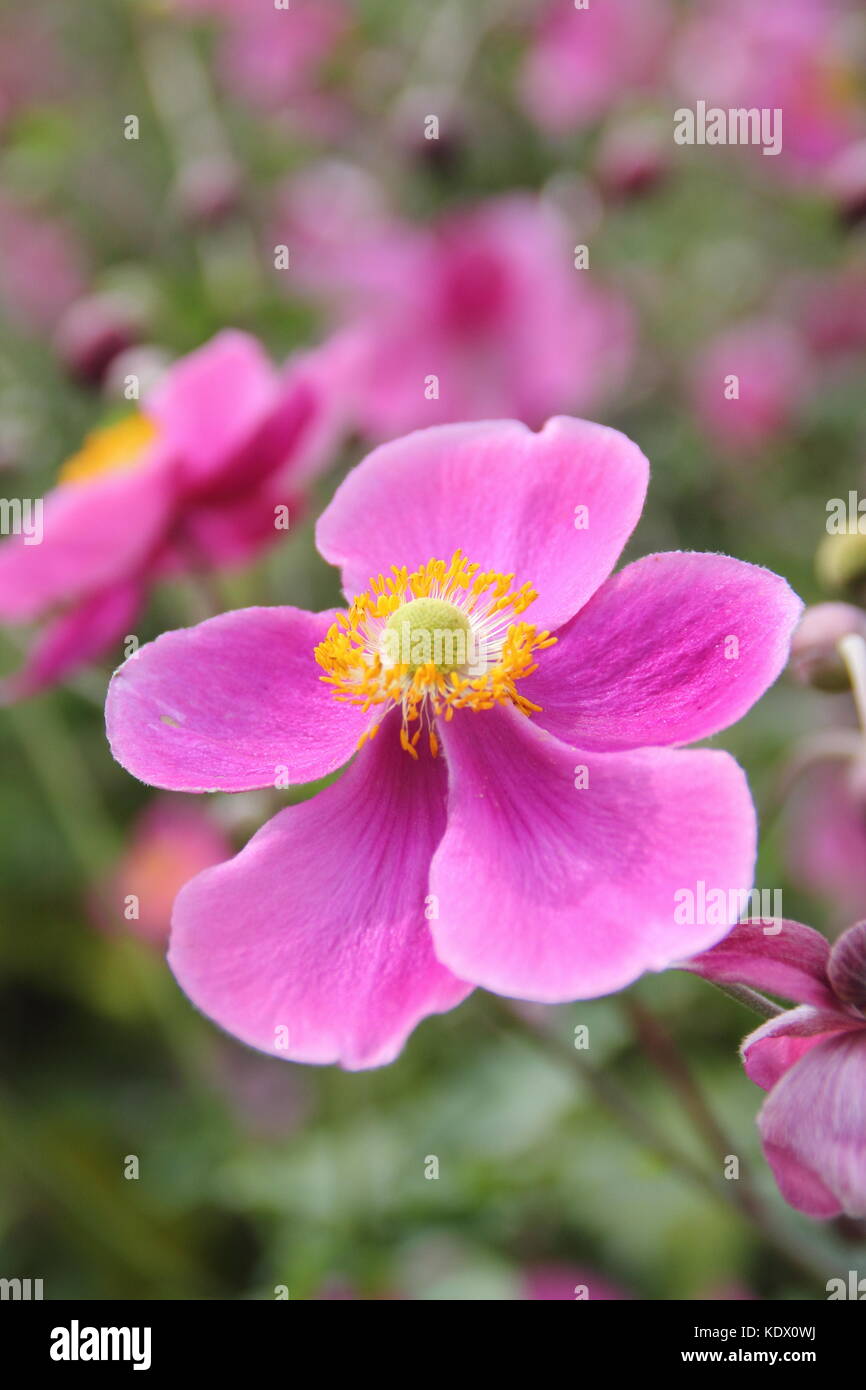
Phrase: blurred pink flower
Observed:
(386, 897)
(811, 1060)
(583, 62)
(272, 57)
(480, 315)
(796, 55)
(834, 313)
(774, 374)
(543, 1283)
(40, 267)
(826, 835)
(91, 334)
(32, 67)
(192, 482)
(845, 181)
(633, 156)
(171, 842)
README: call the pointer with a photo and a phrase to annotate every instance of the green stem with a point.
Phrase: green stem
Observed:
(66, 784)
(750, 998)
(812, 1257)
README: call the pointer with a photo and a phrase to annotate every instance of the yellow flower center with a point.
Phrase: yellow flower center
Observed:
(110, 449)
(441, 638)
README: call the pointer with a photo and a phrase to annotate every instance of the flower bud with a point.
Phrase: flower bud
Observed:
(840, 563)
(815, 658)
(632, 158)
(92, 332)
(846, 183)
(208, 191)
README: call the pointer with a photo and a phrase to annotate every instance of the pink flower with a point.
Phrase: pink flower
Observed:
(794, 55)
(272, 57)
(192, 481)
(633, 157)
(826, 834)
(544, 1283)
(170, 843)
(749, 384)
(481, 315)
(811, 1060)
(32, 68)
(40, 267)
(539, 855)
(834, 313)
(585, 61)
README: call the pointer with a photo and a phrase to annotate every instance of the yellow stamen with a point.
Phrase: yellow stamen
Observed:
(395, 645)
(111, 449)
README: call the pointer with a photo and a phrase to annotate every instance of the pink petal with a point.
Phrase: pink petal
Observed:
(234, 703)
(826, 836)
(504, 495)
(847, 967)
(83, 634)
(772, 1049)
(218, 536)
(544, 1283)
(95, 534)
(813, 1127)
(790, 961)
(551, 893)
(646, 661)
(211, 402)
(319, 926)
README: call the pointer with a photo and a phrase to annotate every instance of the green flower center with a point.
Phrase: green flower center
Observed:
(424, 632)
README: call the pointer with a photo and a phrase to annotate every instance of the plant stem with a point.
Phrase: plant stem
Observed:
(812, 1257)
(750, 998)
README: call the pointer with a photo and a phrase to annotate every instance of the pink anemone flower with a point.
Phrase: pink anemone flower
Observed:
(586, 60)
(797, 56)
(41, 267)
(749, 384)
(191, 482)
(811, 1060)
(273, 56)
(477, 315)
(825, 848)
(516, 816)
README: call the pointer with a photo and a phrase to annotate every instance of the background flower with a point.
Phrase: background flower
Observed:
(811, 1060)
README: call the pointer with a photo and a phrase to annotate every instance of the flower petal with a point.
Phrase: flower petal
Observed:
(783, 957)
(234, 703)
(94, 534)
(318, 926)
(504, 495)
(550, 892)
(210, 403)
(847, 966)
(825, 849)
(813, 1128)
(670, 650)
(772, 1049)
(83, 634)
